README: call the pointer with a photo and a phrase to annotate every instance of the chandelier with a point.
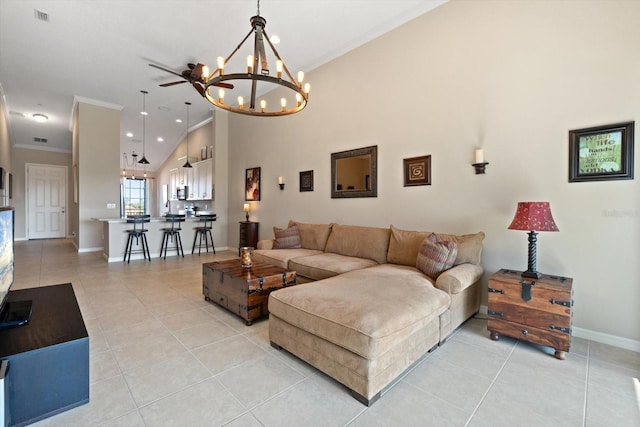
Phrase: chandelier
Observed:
(257, 72)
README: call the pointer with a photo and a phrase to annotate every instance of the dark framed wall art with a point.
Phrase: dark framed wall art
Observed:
(252, 185)
(601, 153)
(306, 181)
(417, 171)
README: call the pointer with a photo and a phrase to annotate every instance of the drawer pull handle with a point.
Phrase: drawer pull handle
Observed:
(560, 328)
(525, 332)
(495, 313)
(563, 303)
(496, 291)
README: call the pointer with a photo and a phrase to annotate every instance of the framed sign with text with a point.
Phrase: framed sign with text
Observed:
(601, 153)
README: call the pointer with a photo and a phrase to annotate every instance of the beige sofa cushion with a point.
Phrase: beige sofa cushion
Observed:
(322, 266)
(362, 242)
(312, 236)
(281, 257)
(366, 311)
(404, 246)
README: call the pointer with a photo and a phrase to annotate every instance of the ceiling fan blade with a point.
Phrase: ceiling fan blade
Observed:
(166, 70)
(172, 83)
(224, 85)
(199, 88)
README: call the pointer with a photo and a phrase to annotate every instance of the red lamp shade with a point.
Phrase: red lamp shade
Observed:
(533, 216)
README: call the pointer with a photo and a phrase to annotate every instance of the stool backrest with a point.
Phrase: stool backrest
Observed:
(138, 219)
(174, 218)
(208, 219)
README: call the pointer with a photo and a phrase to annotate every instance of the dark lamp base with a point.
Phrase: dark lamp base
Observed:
(531, 274)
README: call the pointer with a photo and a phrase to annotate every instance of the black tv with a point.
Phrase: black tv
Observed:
(12, 313)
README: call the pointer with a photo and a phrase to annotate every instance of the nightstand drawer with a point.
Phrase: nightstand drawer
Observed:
(551, 338)
(529, 315)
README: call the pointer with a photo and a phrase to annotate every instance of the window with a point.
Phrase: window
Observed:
(133, 196)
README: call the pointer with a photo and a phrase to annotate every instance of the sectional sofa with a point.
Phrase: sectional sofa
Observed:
(364, 313)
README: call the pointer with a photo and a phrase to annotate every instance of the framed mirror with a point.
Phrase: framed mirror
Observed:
(354, 173)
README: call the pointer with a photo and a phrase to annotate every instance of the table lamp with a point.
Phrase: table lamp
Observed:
(533, 216)
(246, 209)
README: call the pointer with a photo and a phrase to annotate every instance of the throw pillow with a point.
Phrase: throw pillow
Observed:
(436, 256)
(288, 238)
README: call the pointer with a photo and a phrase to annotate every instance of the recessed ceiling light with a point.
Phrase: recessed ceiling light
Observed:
(160, 139)
(178, 120)
(274, 39)
(40, 118)
(144, 113)
(163, 108)
(129, 134)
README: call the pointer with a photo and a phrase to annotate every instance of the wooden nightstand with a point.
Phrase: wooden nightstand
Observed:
(534, 310)
(248, 235)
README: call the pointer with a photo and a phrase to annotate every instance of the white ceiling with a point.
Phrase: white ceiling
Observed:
(99, 50)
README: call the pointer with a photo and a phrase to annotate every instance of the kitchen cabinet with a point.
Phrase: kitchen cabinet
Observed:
(201, 186)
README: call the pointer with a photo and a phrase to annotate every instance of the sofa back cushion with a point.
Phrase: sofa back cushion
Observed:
(312, 236)
(363, 242)
(404, 246)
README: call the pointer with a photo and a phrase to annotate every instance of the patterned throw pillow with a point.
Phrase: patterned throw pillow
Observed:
(435, 256)
(288, 238)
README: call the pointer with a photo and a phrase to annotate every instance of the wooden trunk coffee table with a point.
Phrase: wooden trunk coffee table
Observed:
(244, 291)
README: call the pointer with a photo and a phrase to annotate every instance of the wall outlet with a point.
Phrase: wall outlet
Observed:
(111, 205)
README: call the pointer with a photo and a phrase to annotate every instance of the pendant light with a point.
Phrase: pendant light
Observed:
(187, 164)
(143, 113)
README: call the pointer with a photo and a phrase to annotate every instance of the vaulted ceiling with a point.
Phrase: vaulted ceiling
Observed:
(99, 50)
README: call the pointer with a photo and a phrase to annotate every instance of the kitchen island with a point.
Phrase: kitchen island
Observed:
(115, 237)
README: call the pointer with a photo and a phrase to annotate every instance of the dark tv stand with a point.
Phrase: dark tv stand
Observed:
(15, 313)
(48, 357)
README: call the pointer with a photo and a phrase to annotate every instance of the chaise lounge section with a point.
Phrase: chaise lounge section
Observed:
(367, 313)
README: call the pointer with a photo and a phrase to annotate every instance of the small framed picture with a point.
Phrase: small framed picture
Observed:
(601, 153)
(417, 171)
(252, 185)
(306, 181)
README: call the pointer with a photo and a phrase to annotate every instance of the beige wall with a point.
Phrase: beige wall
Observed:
(5, 150)
(510, 77)
(22, 156)
(98, 154)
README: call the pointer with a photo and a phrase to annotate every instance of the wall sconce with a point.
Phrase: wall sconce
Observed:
(480, 164)
(246, 208)
(281, 182)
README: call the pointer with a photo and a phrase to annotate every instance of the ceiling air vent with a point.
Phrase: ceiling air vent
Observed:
(40, 15)
(16, 113)
(43, 140)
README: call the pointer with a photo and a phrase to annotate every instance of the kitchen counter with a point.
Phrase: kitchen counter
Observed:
(115, 237)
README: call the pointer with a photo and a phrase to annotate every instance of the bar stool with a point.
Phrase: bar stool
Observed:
(137, 233)
(171, 233)
(204, 231)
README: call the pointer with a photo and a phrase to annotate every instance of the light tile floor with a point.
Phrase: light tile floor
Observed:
(162, 356)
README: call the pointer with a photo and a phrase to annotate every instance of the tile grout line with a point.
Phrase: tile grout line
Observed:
(475, 410)
(586, 385)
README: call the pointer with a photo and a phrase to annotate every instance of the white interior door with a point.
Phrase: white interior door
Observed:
(46, 201)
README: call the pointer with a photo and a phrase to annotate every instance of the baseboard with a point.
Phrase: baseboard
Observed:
(600, 337)
(84, 250)
(137, 256)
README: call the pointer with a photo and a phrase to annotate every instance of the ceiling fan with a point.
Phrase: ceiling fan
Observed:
(191, 75)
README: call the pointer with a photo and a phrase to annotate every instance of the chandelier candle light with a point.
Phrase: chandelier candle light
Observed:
(533, 216)
(257, 71)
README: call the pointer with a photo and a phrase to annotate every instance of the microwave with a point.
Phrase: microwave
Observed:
(183, 192)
